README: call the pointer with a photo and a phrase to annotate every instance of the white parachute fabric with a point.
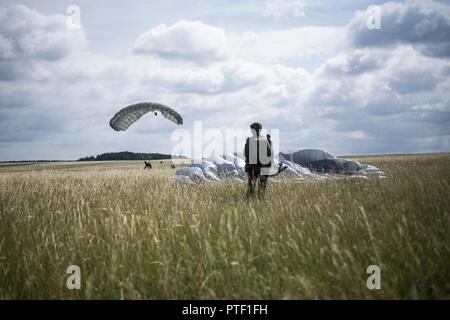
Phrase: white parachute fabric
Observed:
(189, 175)
(218, 160)
(123, 119)
(370, 169)
(231, 167)
(294, 170)
(209, 170)
(230, 170)
(234, 159)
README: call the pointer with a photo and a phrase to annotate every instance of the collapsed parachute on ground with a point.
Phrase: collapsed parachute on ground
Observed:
(296, 166)
(231, 167)
(212, 169)
(130, 114)
(306, 156)
(322, 161)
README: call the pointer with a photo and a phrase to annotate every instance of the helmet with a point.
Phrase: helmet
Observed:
(256, 126)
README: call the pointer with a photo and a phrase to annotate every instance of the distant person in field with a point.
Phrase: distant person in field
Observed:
(147, 165)
(258, 155)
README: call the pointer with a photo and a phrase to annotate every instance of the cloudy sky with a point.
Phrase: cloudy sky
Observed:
(321, 72)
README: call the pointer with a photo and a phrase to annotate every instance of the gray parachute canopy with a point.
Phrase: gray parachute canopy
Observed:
(130, 114)
(306, 156)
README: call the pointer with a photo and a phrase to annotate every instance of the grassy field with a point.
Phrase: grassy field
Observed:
(135, 235)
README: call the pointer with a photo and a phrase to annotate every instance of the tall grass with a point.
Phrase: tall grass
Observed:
(135, 235)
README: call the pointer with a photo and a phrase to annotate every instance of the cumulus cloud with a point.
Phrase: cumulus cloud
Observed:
(386, 91)
(386, 96)
(219, 78)
(354, 62)
(184, 40)
(29, 39)
(361, 99)
(301, 46)
(425, 24)
(26, 33)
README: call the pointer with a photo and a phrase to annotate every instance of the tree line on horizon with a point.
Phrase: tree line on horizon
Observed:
(126, 155)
